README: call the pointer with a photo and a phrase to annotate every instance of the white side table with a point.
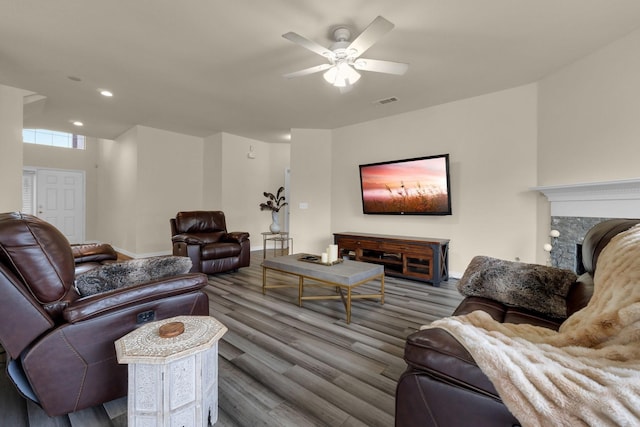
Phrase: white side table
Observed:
(172, 381)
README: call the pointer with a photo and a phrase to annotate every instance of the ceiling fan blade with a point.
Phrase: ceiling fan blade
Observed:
(388, 67)
(308, 71)
(378, 28)
(308, 44)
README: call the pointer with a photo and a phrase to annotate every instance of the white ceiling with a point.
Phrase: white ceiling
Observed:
(199, 67)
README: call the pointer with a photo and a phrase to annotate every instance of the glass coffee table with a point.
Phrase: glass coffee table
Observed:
(343, 277)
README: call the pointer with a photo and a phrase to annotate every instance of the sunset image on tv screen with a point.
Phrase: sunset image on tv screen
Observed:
(413, 187)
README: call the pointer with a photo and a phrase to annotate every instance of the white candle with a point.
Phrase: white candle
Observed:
(325, 257)
(333, 253)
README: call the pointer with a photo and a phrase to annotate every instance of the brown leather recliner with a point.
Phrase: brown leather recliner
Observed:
(88, 256)
(60, 346)
(203, 237)
(443, 386)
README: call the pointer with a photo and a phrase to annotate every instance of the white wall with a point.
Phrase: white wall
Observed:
(491, 140)
(312, 175)
(146, 176)
(117, 191)
(589, 117)
(588, 122)
(212, 172)
(244, 179)
(11, 114)
(169, 180)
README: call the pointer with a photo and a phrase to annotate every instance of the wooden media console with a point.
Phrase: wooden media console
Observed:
(417, 258)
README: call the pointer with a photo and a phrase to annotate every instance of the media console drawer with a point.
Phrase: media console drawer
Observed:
(363, 244)
(416, 258)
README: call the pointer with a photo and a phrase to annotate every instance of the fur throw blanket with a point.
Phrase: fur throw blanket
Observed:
(117, 275)
(588, 372)
(518, 284)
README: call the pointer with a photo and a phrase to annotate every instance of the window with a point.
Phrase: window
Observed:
(53, 138)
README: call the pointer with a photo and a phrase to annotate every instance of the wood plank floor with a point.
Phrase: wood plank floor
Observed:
(284, 365)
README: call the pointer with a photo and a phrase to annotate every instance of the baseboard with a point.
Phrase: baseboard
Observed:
(455, 275)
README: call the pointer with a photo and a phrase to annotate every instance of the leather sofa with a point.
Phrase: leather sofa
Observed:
(203, 237)
(87, 256)
(443, 386)
(59, 345)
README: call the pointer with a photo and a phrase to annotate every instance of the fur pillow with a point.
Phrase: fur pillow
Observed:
(516, 284)
(129, 273)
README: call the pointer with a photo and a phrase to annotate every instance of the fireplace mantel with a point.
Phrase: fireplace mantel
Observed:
(611, 199)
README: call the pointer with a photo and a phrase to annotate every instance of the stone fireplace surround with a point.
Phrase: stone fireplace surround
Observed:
(575, 208)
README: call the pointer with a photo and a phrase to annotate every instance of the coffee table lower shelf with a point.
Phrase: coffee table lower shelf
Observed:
(343, 277)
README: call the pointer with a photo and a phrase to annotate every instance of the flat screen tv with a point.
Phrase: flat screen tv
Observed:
(418, 186)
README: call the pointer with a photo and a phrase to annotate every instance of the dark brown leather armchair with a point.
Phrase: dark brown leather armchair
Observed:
(203, 237)
(88, 256)
(60, 346)
(443, 385)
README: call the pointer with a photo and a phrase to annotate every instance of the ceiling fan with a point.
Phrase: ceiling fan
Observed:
(344, 56)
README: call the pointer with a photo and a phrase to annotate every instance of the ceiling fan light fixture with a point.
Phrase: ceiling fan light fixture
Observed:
(341, 75)
(344, 62)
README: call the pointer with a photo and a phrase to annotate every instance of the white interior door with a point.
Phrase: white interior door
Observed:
(60, 201)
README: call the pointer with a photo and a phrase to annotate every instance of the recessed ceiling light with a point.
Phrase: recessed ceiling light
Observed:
(105, 92)
(77, 123)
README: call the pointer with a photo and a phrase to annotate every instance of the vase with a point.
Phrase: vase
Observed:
(275, 226)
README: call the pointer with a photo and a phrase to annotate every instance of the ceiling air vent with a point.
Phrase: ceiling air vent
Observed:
(386, 100)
